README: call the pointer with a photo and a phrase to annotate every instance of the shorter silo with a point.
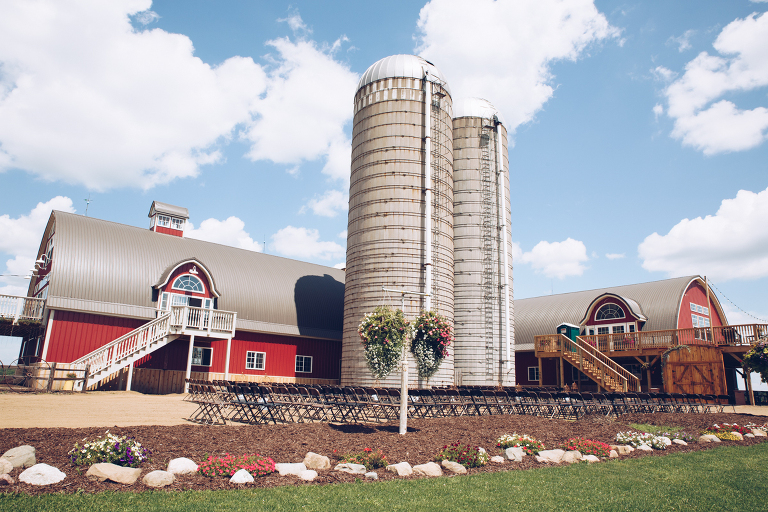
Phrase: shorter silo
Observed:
(483, 305)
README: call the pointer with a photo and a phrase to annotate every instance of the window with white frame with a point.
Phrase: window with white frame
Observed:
(609, 312)
(699, 309)
(603, 330)
(533, 373)
(177, 224)
(699, 321)
(303, 364)
(163, 221)
(202, 356)
(188, 283)
(255, 360)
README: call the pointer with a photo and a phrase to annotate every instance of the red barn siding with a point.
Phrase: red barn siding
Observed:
(74, 335)
(698, 295)
(628, 316)
(169, 231)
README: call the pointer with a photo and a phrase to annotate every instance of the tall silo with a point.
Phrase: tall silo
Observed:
(400, 229)
(483, 306)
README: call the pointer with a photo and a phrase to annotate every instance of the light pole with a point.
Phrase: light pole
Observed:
(404, 363)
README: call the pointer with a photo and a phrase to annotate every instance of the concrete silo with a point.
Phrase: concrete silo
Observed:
(483, 306)
(400, 230)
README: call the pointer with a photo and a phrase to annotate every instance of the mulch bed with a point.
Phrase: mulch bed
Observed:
(289, 443)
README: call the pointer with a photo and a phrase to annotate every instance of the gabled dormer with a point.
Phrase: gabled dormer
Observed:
(167, 219)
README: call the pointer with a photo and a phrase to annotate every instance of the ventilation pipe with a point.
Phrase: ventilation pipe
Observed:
(427, 191)
(503, 226)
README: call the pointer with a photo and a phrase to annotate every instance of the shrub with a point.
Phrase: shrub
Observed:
(529, 445)
(226, 466)
(383, 334)
(120, 450)
(466, 455)
(368, 458)
(587, 447)
(637, 438)
(433, 334)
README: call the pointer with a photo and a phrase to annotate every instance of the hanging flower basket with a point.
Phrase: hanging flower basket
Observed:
(383, 334)
(756, 359)
(430, 343)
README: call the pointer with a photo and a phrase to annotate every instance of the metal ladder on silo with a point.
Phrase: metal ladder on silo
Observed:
(439, 185)
(488, 235)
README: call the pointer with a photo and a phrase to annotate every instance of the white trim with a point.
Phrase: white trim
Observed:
(173, 286)
(200, 266)
(48, 329)
(624, 315)
(303, 365)
(210, 359)
(263, 360)
(536, 369)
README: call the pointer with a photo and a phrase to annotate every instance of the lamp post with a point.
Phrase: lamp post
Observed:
(404, 364)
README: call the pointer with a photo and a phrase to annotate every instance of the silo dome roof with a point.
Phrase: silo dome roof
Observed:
(476, 107)
(401, 66)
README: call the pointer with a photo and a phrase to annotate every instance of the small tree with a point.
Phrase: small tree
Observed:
(433, 334)
(383, 334)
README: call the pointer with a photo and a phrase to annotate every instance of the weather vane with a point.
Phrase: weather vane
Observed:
(87, 204)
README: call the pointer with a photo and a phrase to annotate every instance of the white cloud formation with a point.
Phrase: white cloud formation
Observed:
(682, 42)
(303, 243)
(20, 238)
(663, 74)
(732, 244)
(87, 96)
(502, 50)
(329, 204)
(225, 232)
(556, 259)
(705, 121)
(614, 256)
(657, 111)
(340, 265)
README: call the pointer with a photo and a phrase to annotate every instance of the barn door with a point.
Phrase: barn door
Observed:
(699, 370)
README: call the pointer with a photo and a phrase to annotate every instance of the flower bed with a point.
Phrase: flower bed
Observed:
(587, 447)
(466, 455)
(369, 458)
(530, 445)
(226, 466)
(636, 439)
(120, 450)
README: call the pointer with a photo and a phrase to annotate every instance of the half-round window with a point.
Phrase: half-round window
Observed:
(609, 312)
(188, 283)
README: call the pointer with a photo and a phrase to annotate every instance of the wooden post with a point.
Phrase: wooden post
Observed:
(748, 384)
(541, 377)
(85, 377)
(50, 377)
(562, 372)
(648, 373)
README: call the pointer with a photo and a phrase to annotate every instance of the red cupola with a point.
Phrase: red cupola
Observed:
(167, 219)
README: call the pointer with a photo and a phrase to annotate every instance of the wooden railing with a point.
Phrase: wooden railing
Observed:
(588, 359)
(213, 321)
(27, 308)
(729, 335)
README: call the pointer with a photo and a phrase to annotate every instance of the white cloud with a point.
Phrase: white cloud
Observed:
(732, 244)
(343, 234)
(663, 74)
(503, 50)
(20, 238)
(87, 96)
(303, 243)
(340, 265)
(225, 232)
(306, 106)
(329, 204)
(614, 256)
(682, 42)
(557, 259)
(296, 23)
(657, 111)
(702, 119)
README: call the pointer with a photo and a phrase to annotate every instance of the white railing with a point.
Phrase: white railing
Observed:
(26, 308)
(127, 345)
(213, 321)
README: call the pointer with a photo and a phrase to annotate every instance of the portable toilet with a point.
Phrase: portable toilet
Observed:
(569, 330)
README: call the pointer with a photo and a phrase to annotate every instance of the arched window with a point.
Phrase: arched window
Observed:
(188, 283)
(609, 312)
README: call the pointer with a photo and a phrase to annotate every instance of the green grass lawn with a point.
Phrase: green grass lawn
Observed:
(724, 478)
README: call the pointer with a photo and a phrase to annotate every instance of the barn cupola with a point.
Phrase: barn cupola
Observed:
(167, 219)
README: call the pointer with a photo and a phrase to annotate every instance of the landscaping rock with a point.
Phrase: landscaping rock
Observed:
(496, 459)
(738, 435)
(242, 477)
(372, 475)
(514, 454)
(428, 469)
(402, 469)
(352, 469)
(622, 449)
(572, 456)
(315, 461)
(286, 468)
(555, 456)
(758, 432)
(5, 466)
(751, 436)
(21, 456)
(42, 474)
(667, 441)
(308, 475)
(709, 438)
(158, 478)
(591, 458)
(182, 466)
(6, 480)
(457, 468)
(613, 455)
(645, 448)
(680, 442)
(114, 473)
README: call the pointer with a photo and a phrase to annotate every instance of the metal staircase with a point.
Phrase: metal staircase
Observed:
(118, 354)
(606, 372)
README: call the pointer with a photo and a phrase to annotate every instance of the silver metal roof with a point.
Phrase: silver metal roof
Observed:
(659, 301)
(169, 209)
(476, 107)
(109, 268)
(401, 66)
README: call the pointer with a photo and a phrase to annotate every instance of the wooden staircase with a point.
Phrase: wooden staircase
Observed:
(118, 354)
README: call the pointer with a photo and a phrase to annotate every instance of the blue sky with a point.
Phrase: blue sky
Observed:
(638, 128)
